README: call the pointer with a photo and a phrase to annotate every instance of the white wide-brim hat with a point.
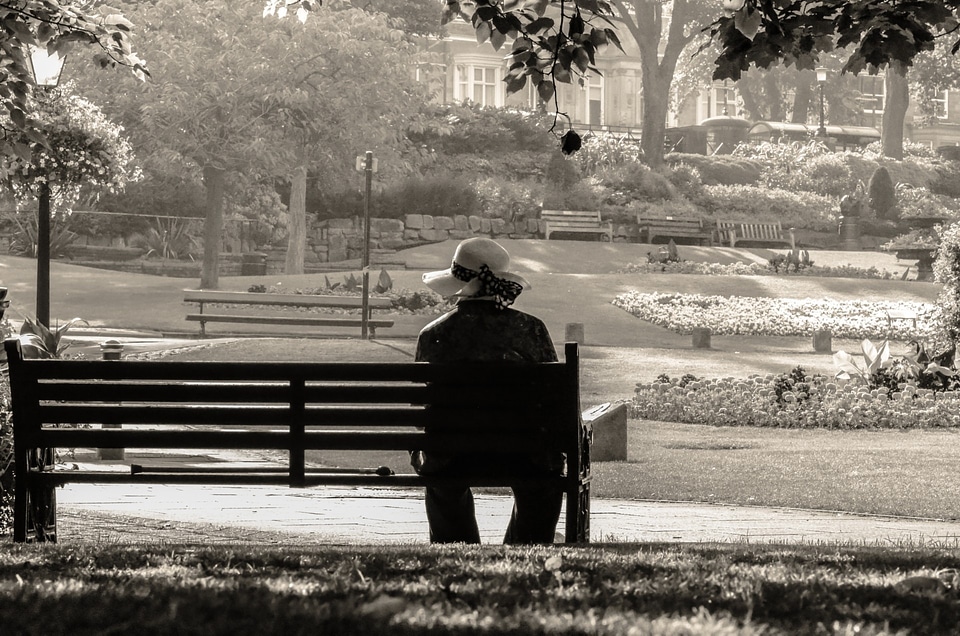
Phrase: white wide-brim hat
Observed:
(472, 254)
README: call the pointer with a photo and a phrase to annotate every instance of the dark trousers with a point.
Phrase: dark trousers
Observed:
(452, 516)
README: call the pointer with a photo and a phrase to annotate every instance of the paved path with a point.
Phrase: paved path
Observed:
(382, 515)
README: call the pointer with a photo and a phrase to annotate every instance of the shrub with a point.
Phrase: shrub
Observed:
(471, 129)
(946, 180)
(634, 182)
(719, 169)
(803, 210)
(441, 195)
(605, 150)
(500, 199)
(562, 172)
(582, 196)
(826, 175)
(686, 180)
(881, 194)
(946, 270)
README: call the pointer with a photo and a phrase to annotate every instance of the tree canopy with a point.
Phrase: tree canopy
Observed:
(56, 27)
(876, 33)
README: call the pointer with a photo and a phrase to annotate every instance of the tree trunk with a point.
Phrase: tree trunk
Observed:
(297, 226)
(214, 180)
(803, 98)
(894, 110)
(656, 103)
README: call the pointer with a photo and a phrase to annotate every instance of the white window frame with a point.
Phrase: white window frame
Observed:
(593, 87)
(711, 102)
(876, 81)
(942, 105)
(465, 82)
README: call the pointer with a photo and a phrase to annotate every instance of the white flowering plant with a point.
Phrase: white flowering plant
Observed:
(83, 149)
(741, 315)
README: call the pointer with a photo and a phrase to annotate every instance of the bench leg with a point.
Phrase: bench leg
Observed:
(35, 507)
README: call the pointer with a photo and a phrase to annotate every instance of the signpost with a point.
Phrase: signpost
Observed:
(368, 165)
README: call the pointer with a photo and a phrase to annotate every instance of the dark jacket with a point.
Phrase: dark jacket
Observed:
(477, 331)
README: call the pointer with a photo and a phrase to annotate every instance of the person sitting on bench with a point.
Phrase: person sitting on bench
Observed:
(483, 328)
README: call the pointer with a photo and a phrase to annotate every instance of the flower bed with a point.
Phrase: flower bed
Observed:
(751, 269)
(738, 315)
(771, 401)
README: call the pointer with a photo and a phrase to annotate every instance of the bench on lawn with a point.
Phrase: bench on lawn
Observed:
(575, 221)
(673, 227)
(753, 232)
(292, 407)
(906, 315)
(205, 297)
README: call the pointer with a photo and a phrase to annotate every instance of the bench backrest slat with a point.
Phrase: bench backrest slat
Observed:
(475, 400)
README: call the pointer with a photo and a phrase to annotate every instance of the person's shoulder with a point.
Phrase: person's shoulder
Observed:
(437, 322)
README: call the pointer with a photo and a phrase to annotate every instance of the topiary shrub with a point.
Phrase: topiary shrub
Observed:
(882, 195)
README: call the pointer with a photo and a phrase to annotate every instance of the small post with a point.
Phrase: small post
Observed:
(111, 350)
(823, 341)
(365, 264)
(701, 338)
(573, 332)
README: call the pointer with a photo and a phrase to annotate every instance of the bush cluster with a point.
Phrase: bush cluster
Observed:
(795, 400)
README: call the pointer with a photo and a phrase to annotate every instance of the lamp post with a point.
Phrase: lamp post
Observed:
(821, 80)
(45, 68)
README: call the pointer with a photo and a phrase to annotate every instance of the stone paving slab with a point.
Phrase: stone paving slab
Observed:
(363, 516)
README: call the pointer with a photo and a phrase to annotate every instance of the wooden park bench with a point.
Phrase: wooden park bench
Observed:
(673, 227)
(754, 233)
(576, 222)
(293, 407)
(302, 301)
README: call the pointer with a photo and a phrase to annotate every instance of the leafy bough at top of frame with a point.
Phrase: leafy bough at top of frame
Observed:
(547, 49)
(761, 33)
(560, 47)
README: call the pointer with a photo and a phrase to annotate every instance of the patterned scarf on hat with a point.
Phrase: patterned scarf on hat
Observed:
(504, 292)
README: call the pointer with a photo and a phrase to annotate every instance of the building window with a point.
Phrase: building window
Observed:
(593, 91)
(719, 100)
(940, 110)
(872, 93)
(479, 84)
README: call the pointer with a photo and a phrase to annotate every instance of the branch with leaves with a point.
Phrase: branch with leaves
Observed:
(876, 33)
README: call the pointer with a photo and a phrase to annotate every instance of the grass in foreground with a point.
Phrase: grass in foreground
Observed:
(643, 589)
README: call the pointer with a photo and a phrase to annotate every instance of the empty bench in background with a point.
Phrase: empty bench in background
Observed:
(292, 407)
(756, 233)
(673, 227)
(575, 222)
(302, 319)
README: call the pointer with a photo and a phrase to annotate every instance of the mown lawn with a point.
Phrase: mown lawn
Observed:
(600, 589)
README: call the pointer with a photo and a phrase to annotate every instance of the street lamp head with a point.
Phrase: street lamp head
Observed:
(821, 74)
(44, 65)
